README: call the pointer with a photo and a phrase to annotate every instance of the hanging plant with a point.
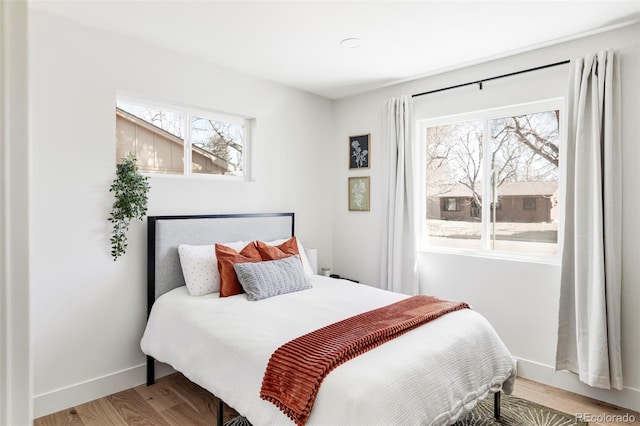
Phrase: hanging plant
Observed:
(130, 189)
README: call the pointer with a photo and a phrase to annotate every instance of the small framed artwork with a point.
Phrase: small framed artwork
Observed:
(359, 193)
(359, 151)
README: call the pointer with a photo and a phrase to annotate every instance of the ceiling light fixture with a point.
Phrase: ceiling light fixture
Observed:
(351, 42)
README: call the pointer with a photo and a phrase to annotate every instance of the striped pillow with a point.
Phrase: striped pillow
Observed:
(262, 280)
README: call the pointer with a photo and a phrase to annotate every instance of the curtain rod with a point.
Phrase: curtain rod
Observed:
(479, 82)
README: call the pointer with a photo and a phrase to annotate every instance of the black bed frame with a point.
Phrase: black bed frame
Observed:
(151, 258)
(151, 286)
(151, 272)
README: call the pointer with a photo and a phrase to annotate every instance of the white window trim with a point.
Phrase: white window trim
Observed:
(189, 112)
(485, 252)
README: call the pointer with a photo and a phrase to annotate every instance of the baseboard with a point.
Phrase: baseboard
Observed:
(626, 398)
(70, 396)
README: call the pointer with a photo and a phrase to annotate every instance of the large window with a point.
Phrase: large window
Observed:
(491, 180)
(181, 141)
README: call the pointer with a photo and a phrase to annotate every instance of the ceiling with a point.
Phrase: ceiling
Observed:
(297, 43)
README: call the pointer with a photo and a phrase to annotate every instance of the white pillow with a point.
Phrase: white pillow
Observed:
(306, 265)
(200, 267)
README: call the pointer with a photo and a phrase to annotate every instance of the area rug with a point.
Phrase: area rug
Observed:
(514, 411)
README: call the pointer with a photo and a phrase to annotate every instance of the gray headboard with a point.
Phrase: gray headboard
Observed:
(166, 233)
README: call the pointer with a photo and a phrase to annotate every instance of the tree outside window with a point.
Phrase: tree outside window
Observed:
(503, 168)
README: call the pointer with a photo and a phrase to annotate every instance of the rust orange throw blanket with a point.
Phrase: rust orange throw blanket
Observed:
(297, 368)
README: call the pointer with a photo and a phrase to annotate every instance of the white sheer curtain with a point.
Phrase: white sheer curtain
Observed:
(398, 262)
(589, 316)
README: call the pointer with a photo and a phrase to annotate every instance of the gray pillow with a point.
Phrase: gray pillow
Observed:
(261, 280)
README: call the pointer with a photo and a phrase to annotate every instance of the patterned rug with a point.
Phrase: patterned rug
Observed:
(514, 411)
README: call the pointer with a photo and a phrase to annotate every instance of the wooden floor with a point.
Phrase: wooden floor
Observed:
(572, 403)
(174, 400)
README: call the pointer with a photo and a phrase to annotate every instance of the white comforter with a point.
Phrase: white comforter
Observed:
(429, 376)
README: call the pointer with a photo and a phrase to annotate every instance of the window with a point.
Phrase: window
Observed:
(451, 205)
(528, 203)
(491, 180)
(180, 141)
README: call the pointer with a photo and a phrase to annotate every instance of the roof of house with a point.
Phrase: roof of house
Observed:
(505, 190)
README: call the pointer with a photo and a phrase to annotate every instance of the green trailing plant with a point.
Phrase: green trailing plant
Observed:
(130, 189)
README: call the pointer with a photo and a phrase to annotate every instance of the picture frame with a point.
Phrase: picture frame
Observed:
(359, 188)
(360, 151)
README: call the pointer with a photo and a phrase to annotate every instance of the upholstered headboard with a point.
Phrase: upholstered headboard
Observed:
(166, 233)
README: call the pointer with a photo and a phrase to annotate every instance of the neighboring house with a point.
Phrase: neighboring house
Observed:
(160, 151)
(517, 202)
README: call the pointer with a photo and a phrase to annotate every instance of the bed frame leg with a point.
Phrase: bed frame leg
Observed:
(220, 407)
(496, 405)
(151, 370)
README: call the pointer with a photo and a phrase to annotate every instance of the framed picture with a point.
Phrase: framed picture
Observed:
(359, 151)
(359, 193)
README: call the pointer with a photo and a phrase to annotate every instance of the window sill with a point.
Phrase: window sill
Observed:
(553, 260)
(199, 176)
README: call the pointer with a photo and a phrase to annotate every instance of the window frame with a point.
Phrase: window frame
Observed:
(456, 201)
(190, 112)
(421, 124)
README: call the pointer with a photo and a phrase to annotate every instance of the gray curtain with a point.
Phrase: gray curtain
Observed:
(398, 261)
(590, 291)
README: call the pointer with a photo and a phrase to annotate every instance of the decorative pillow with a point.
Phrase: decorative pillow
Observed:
(227, 257)
(271, 278)
(278, 249)
(274, 252)
(200, 267)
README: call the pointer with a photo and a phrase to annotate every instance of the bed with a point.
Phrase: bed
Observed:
(431, 375)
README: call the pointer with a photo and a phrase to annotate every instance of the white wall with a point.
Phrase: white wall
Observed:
(519, 298)
(15, 363)
(88, 312)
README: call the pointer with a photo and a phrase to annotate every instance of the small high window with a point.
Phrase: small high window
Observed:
(180, 141)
